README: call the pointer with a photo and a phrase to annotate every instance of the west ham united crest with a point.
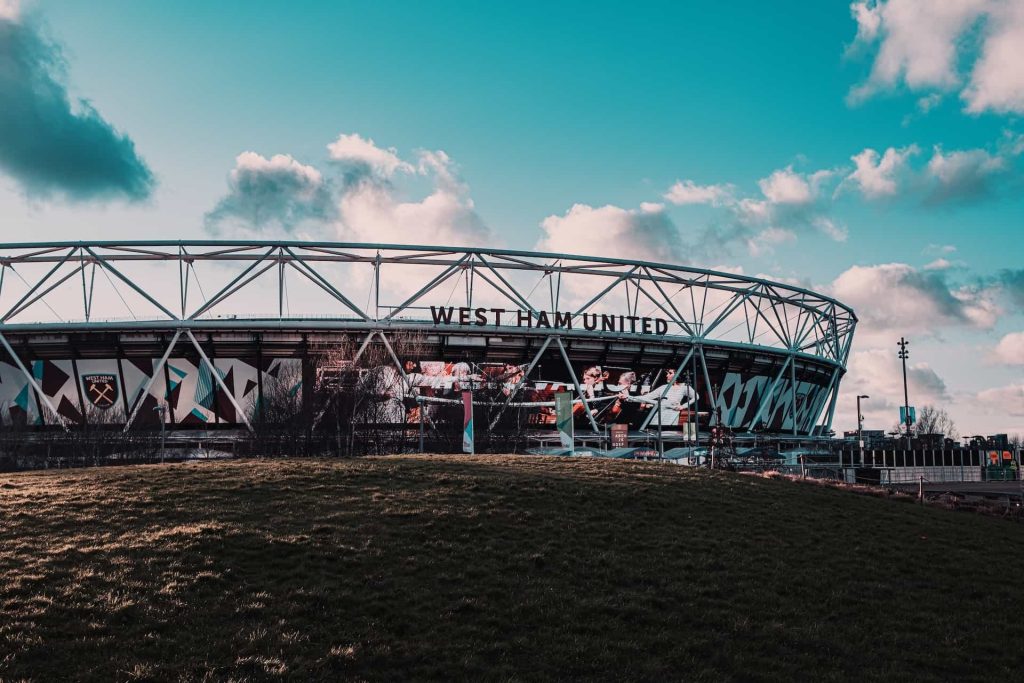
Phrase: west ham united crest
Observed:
(100, 390)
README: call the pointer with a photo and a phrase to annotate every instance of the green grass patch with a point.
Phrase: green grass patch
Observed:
(492, 568)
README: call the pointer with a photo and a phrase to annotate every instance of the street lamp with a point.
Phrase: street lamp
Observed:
(161, 408)
(860, 427)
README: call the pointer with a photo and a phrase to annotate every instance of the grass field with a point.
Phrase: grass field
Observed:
(493, 568)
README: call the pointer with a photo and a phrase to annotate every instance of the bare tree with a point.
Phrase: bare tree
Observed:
(277, 416)
(933, 420)
(373, 404)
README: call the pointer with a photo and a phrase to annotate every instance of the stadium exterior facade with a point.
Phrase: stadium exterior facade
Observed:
(196, 331)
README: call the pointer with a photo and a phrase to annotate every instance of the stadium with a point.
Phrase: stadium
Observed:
(198, 334)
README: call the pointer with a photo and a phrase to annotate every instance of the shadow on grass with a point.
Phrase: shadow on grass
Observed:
(491, 567)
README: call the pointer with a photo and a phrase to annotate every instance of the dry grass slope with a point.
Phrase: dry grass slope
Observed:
(492, 568)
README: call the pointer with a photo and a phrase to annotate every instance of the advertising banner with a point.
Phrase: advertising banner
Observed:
(563, 418)
(641, 397)
(620, 435)
(428, 390)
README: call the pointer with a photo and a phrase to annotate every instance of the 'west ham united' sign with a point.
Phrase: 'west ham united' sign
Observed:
(479, 317)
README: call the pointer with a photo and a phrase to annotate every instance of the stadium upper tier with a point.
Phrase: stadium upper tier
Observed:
(202, 328)
(261, 284)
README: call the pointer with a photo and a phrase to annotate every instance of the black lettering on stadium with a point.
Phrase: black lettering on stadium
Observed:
(627, 324)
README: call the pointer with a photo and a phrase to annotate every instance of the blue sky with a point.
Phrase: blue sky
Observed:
(757, 109)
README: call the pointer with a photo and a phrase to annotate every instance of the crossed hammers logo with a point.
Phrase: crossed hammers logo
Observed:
(102, 391)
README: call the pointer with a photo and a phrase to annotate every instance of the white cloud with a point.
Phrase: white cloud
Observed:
(251, 162)
(897, 296)
(928, 102)
(646, 233)
(1010, 349)
(367, 205)
(963, 174)
(785, 186)
(830, 228)
(878, 374)
(1006, 399)
(371, 209)
(372, 213)
(10, 10)
(997, 80)
(869, 20)
(939, 264)
(918, 41)
(1012, 143)
(922, 44)
(688, 192)
(789, 203)
(275, 192)
(792, 201)
(877, 176)
(924, 105)
(763, 242)
(881, 370)
(358, 151)
(753, 210)
(955, 176)
(439, 164)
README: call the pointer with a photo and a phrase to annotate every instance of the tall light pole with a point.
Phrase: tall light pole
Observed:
(162, 410)
(860, 427)
(904, 354)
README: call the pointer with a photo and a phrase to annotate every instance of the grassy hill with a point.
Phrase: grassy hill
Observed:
(493, 568)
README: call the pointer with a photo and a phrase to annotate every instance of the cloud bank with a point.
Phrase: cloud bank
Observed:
(363, 156)
(947, 177)
(918, 300)
(974, 47)
(1012, 283)
(789, 202)
(1010, 349)
(646, 233)
(278, 191)
(877, 176)
(50, 145)
(358, 196)
(1007, 399)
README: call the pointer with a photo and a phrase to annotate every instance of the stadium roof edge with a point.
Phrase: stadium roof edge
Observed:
(419, 247)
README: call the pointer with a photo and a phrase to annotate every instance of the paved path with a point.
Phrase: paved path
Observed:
(971, 488)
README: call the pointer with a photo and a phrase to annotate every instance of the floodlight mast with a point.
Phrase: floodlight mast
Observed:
(860, 427)
(904, 354)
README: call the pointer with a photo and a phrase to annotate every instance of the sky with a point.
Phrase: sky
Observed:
(872, 151)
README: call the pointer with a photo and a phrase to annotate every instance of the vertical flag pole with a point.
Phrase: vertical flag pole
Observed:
(467, 421)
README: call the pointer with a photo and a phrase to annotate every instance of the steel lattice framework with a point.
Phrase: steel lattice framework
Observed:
(187, 288)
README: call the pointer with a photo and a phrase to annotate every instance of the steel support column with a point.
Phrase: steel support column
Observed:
(668, 385)
(576, 383)
(519, 384)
